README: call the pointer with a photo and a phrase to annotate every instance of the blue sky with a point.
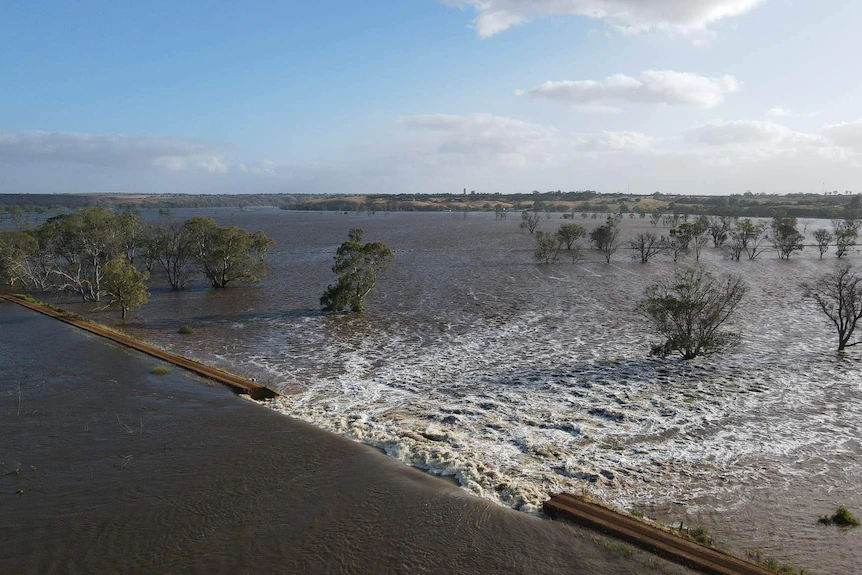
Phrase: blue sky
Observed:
(708, 96)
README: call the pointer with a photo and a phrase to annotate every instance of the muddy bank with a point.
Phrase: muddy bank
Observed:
(107, 468)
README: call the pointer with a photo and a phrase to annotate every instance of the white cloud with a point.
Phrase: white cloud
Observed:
(110, 150)
(673, 16)
(846, 134)
(652, 86)
(615, 142)
(496, 140)
(749, 132)
(777, 112)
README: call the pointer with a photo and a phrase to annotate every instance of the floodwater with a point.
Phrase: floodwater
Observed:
(108, 468)
(521, 380)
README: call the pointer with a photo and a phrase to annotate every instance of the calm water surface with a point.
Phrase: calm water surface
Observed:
(520, 380)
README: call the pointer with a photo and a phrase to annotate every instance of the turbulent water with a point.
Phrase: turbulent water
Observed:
(521, 380)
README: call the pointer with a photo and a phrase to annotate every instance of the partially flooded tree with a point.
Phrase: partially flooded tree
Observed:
(646, 245)
(16, 247)
(228, 255)
(823, 239)
(747, 237)
(530, 221)
(846, 232)
(719, 228)
(358, 266)
(785, 237)
(82, 243)
(173, 249)
(680, 239)
(839, 296)
(606, 238)
(547, 248)
(688, 309)
(124, 285)
(570, 233)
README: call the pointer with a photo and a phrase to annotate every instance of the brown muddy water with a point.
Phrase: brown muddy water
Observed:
(107, 468)
(521, 380)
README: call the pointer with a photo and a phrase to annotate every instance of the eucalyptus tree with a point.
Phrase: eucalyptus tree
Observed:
(530, 221)
(228, 255)
(173, 248)
(823, 239)
(647, 245)
(719, 228)
(82, 243)
(839, 296)
(846, 232)
(688, 309)
(16, 247)
(606, 238)
(547, 247)
(570, 233)
(747, 237)
(358, 266)
(785, 237)
(125, 286)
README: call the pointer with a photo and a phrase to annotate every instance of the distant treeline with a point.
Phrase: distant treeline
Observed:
(59, 202)
(734, 205)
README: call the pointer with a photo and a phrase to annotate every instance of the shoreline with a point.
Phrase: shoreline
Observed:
(568, 506)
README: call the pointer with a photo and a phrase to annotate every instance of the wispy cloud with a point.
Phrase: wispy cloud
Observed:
(652, 87)
(111, 150)
(687, 17)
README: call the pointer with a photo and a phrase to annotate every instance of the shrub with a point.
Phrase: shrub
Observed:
(161, 370)
(186, 330)
(842, 518)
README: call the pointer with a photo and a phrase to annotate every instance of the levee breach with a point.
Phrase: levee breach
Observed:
(238, 384)
(649, 538)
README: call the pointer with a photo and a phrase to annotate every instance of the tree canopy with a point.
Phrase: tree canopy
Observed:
(358, 266)
(688, 309)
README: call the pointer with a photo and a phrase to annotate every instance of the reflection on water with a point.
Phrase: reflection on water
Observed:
(520, 381)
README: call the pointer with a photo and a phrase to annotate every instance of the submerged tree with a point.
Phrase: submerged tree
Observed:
(646, 245)
(570, 233)
(785, 237)
(15, 249)
(358, 266)
(688, 310)
(124, 285)
(81, 245)
(228, 254)
(529, 221)
(719, 227)
(173, 249)
(606, 238)
(839, 296)
(823, 238)
(846, 232)
(547, 247)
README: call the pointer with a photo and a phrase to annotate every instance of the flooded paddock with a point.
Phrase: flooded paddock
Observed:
(521, 380)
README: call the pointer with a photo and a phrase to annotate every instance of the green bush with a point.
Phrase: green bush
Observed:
(186, 330)
(842, 518)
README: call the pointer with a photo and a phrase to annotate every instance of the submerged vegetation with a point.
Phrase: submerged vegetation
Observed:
(98, 254)
(358, 266)
(688, 310)
(842, 518)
